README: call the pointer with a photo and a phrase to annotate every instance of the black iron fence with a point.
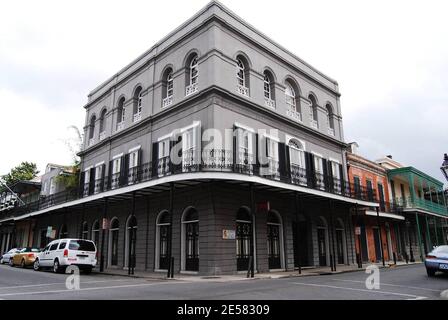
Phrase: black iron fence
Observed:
(211, 160)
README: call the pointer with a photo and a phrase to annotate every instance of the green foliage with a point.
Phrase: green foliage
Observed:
(70, 181)
(24, 171)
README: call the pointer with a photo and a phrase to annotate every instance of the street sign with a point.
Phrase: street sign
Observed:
(49, 229)
(357, 231)
(105, 224)
(228, 234)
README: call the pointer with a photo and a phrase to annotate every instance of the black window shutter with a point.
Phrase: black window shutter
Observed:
(92, 181)
(287, 163)
(330, 176)
(81, 183)
(103, 174)
(325, 173)
(155, 158)
(235, 148)
(341, 178)
(124, 170)
(282, 160)
(110, 178)
(256, 168)
(139, 169)
(172, 166)
(309, 162)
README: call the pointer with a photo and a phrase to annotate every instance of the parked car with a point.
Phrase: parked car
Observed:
(437, 260)
(6, 257)
(61, 253)
(24, 257)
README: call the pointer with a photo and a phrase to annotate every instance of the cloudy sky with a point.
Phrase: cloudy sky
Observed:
(389, 57)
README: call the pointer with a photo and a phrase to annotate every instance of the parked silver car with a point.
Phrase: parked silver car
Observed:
(7, 256)
(437, 260)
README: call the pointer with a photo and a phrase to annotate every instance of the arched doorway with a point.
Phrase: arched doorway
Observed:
(275, 240)
(113, 242)
(340, 242)
(190, 240)
(163, 228)
(301, 236)
(243, 238)
(63, 233)
(130, 241)
(322, 231)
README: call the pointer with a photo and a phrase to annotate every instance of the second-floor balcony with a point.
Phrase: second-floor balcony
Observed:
(137, 117)
(330, 131)
(408, 203)
(242, 90)
(212, 161)
(102, 135)
(91, 142)
(314, 124)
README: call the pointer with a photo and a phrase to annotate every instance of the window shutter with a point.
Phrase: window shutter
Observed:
(81, 183)
(92, 181)
(173, 167)
(287, 164)
(282, 160)
(235, 148)
(155, 158)
(103, 174)
(330, 176)
(197, 146)
(109, 178)
(124, 169)
(256, 166)
(138, 174)
(309, 163)
(341, 178)
(325, 173)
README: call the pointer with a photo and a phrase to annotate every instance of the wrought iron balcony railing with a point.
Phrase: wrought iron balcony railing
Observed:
(210, 160)
(401, 203)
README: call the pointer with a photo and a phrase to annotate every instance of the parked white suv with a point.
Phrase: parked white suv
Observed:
(61, 253)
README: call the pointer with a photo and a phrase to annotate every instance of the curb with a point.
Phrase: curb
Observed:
(259, 277)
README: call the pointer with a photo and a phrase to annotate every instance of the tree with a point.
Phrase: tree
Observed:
(24, 171)
(70, 181)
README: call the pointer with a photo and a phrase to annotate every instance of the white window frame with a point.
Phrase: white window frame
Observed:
(98, 174)
(267, 87)
(240, 73)
(169, 85)
(192, 131)
(194, 70)
(243, 133)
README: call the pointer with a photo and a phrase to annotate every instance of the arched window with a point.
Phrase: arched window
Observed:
(63, 233)
(113, 242)
(330, 121)
(92, 128)
(131, 240)
(242, 76)
(190, 240)
(103, 124)
(120, 114)
(96, 233)
(297, 162)
(243, 238)
(138, 104)
(85, 230)
(167, 89)
(313, 111)
(292, 100)
(268, 89)
(163, 231)
(192, 73)
(275, 240)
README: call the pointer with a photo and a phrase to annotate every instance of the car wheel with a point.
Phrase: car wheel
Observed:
(36, 265)
(431, 272)
(22, 264)
(56, 266)
(11, 262)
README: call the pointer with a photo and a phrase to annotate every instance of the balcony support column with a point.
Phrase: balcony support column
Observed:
(421, 187)
(296, 198)
(331, 238)
(170, 273)
(437, 243)
(437, 194)
(411, 187)
(420, 245)
(103, 234)
(381, 237)
(428, 235)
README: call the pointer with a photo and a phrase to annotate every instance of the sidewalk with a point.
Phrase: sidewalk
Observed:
(306, 272)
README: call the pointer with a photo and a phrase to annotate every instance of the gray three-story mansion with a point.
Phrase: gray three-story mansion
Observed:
(215, 150)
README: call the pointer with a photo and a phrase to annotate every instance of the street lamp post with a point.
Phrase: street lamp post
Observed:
(444, 166)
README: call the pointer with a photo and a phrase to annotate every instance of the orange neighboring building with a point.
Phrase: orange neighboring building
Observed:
(370, 176)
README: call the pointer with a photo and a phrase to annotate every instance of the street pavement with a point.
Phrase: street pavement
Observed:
(400, 283)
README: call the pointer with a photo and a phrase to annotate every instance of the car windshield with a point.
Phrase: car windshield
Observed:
(81, 245)
(441, 249)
